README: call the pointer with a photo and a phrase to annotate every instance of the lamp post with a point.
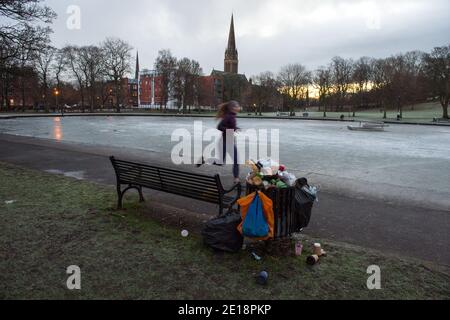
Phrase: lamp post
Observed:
(56, 92)
(111, 99)
(44, 101)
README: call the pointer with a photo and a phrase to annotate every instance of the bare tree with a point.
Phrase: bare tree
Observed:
(437, 70)
(44, 60)
(379, 81)
(396, 88)
(322, 80)
(294, 79)
(413, 77)
(22, 21)
(165, 66)
(26, 52)
(342, 78)
(59, 67)
(186, 82)
(361, 78)
(92, 66)
(193, 84)
(73, 57)
(265, 92)
(117, 63)
(23, 31)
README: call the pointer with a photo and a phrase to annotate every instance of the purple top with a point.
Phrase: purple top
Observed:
(228, 122)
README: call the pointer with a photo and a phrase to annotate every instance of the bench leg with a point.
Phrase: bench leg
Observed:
(121, 193)
(119, 197)
(141, 195)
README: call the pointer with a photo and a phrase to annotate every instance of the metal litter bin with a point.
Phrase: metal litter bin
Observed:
(290, 217)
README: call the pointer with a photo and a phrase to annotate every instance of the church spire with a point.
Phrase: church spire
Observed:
(231, 54)
(137, 66)
(231, 36)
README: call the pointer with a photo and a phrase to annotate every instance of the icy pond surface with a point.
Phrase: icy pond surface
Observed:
(409, 163)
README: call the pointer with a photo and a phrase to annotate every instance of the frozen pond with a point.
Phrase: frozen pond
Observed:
(405, 163)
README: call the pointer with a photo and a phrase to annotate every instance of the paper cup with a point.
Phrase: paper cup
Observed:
(317, 249)
(312, 260)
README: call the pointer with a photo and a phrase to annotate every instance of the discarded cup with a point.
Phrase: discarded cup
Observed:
(298, 249)
(312, 260)
(10, 201)
(317, 249)
(263, 278)
(184, 233)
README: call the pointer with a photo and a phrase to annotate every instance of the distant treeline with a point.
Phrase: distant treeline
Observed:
(393, 82)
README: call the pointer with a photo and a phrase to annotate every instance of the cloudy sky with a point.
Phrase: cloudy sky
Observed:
(270, 33)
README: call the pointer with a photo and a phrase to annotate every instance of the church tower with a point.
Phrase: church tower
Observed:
(231, 54)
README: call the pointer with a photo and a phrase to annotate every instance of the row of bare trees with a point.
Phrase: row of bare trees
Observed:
(347, 84)
(28, 60)
(24, 31)
(89, 68)
(180, 80)
(93, 67)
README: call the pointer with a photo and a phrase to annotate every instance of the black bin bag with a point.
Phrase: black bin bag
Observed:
(303, 203)
(221, 233)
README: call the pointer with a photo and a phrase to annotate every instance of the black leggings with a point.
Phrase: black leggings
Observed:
(235, 160)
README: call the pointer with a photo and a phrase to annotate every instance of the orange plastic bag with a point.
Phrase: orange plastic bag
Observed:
(245, 203)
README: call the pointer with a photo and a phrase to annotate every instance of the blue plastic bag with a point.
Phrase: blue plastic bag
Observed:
(255, 224)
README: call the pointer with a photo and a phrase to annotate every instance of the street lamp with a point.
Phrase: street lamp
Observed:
(111, 98)
(56, 92)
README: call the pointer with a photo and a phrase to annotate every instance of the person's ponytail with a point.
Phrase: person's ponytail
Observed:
(223, 109)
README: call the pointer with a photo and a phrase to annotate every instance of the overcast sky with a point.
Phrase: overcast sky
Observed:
(269, 33)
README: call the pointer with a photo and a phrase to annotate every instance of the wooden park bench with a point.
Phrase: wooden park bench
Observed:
(205, 188)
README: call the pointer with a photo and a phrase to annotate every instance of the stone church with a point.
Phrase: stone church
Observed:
(235, 86)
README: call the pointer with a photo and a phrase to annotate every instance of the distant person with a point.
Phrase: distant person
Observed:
(227, 114)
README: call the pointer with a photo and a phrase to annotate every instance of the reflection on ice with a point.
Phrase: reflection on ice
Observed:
(57, 129)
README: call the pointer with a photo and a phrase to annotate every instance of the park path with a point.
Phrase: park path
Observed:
(394, 229)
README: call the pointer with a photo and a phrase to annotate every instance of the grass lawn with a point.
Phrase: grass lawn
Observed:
(424, 112)
(56, 222)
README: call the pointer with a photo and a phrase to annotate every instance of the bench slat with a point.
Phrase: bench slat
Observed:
(168, 175)
(134, 174)
(199, 176)
(165, 186)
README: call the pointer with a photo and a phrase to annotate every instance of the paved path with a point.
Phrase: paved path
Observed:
(408, 231)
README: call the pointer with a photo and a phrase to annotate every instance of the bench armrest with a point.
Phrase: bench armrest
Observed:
(238, 189)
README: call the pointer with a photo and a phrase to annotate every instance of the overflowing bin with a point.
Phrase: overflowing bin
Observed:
(293, 199)
(290, 216)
